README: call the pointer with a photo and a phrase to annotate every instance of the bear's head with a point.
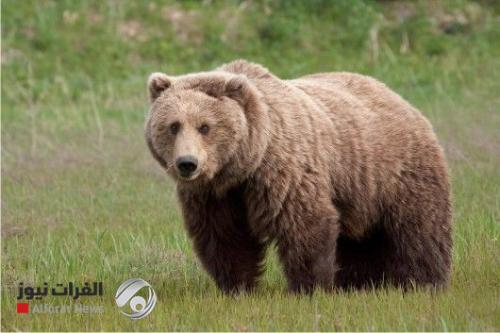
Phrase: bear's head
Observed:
(207, 127)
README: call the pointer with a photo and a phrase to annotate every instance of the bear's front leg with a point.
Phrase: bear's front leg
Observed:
(307, 248)
(222, 240)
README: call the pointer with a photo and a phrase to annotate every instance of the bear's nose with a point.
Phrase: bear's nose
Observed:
(186, 165)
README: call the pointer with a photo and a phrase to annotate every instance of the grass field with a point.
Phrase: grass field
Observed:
(83, 200)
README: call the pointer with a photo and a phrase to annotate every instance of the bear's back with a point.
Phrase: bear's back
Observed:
(388, 123)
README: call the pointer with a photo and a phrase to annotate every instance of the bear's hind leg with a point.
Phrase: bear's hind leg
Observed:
(308, 254)
(412, 245)
(420, 230)
(422, 257)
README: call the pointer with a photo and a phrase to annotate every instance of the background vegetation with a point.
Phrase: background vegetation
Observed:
(83, 200)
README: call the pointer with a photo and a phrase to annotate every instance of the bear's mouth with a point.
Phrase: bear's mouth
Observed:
(188, 176)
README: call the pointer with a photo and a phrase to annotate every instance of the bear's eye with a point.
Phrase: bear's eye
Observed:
(204, 129)
(174, 127)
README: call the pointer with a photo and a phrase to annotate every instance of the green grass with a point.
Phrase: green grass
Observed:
(82, 199)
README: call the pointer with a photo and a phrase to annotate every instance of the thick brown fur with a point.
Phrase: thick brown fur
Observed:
(345, 176)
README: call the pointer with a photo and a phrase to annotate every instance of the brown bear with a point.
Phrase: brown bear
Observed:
(342, 174)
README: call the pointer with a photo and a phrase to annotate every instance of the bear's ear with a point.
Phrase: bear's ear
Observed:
(238, 88)
(158, 83)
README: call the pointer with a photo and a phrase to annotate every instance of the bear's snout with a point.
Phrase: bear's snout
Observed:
(186, 165)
